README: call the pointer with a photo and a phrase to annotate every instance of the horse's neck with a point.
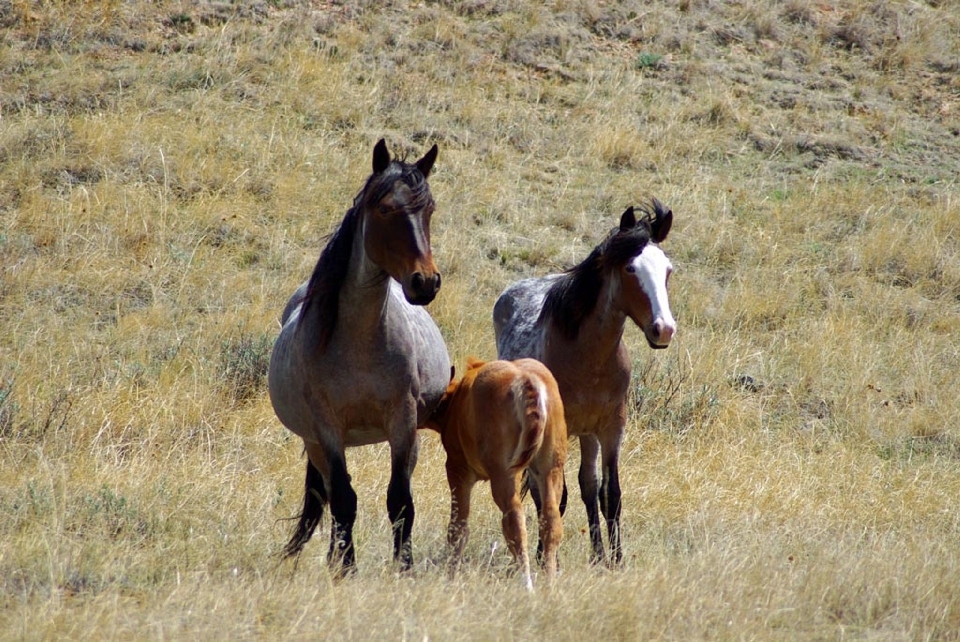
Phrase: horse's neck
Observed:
(363, 298)
(601, 332)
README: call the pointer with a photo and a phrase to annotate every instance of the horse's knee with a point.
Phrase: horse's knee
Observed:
(610, 496)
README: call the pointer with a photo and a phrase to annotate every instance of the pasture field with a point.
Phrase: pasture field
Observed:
(169, 171)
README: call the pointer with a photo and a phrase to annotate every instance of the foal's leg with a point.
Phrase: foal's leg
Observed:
(404, 448)
(610, 493)
(461, 482)
(534, 489)
(551, 522)
(590, 492)
(505, 486)
(536, 492)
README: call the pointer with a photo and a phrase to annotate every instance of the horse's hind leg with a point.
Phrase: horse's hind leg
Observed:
(403, 459)
(532, 486)
(314, 498)
(505, 489)
(535, 491)
(551, 522)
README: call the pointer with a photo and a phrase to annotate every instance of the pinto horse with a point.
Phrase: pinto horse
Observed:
(574, 322)
(501, 419)
(358, 360)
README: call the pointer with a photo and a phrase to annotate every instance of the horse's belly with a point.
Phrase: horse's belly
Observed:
(363, 436)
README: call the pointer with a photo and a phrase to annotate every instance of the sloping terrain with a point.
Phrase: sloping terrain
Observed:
(169, 172)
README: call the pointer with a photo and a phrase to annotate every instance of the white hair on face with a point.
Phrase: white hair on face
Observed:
(652, 267)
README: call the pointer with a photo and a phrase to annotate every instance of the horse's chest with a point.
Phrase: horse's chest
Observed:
(592, 402)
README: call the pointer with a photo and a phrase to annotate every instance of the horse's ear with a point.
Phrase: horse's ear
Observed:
(660, 225)
(381, 157)
(425, 164)
(628, 220)
(453, 372)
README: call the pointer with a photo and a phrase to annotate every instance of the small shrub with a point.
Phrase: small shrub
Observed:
(664, 399)
(243, 365)
(646, 60)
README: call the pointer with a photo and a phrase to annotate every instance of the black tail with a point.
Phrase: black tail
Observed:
(314, 498)
(524, 484)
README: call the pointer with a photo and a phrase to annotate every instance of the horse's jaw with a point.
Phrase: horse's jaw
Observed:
(421, 299)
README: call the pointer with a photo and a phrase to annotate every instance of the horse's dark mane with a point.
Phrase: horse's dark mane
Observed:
(323, 288)
(573, 296)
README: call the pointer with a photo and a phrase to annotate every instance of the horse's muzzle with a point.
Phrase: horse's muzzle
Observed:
(422, 289)
(660, 334)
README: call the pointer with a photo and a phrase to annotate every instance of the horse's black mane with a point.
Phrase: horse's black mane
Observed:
(323, 289)
(573, 296)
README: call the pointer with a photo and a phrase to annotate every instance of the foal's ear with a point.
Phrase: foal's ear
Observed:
(381, 157)
(660, 225)
(628, 220)
(425, 164)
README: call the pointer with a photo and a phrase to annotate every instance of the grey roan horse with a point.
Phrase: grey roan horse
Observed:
(358, 360)
(574, 322)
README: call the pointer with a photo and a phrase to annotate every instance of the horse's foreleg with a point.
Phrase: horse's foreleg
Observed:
(403, 459)
(590, 492)
(610, 498)
(343, 508)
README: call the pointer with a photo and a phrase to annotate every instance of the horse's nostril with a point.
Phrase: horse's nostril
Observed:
(437, 286)
(662, 332)
(417, 281)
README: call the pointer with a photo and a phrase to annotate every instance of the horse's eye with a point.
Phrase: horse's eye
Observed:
(630, 268)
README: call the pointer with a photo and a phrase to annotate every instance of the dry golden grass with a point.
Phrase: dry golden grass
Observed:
(168, 171)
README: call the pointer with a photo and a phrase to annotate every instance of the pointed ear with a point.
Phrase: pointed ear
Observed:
(425, 164)
(628, 220)
(381, 157)
(660, 226)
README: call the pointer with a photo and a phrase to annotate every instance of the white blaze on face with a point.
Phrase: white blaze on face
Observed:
(652, 268)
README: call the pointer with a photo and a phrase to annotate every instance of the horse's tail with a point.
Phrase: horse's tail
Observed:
(530, 406)
(314, 498)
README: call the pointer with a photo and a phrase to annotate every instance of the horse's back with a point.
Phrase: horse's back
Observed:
(515, 316)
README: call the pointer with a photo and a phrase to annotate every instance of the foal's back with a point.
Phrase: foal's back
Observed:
(507, 410)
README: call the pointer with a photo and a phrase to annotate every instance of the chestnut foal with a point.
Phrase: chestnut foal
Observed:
(500, 419)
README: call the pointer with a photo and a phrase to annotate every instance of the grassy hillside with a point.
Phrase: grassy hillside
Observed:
(168, 174)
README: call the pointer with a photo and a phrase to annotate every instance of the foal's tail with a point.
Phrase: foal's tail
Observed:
(314, 498)
(530, 406)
